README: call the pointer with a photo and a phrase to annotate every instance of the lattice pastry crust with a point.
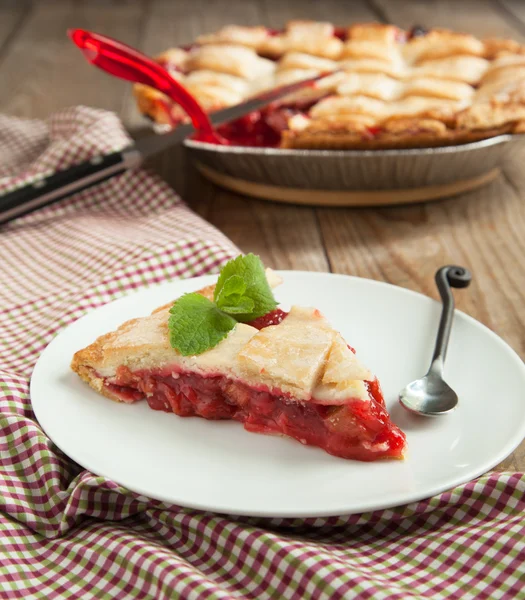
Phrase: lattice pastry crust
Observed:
(390, 88)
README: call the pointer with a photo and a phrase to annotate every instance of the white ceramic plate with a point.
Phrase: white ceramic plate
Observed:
(218, 466)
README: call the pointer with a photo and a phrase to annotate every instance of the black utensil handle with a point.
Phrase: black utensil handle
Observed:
(64, 183)
(446, 278)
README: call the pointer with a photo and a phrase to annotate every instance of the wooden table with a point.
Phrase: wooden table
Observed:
(484, 230)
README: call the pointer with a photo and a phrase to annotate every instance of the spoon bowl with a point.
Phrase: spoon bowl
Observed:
(430, 395)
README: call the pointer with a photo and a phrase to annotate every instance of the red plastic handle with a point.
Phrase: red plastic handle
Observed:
(125, 62)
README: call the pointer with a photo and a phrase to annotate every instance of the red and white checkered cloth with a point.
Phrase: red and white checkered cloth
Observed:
(67, 533)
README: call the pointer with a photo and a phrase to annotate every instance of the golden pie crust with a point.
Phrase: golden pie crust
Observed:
(391, 89)
(302, 357)
(286, 373)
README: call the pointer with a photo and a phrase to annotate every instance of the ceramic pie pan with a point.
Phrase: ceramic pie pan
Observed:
(353, 177)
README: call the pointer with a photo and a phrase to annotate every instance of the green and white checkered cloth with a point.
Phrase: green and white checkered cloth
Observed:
(67, 533)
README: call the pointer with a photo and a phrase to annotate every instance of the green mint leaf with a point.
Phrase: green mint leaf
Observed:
(197, 325)
(243, 305)
(250, 270)
(242, 293)
(231, 292)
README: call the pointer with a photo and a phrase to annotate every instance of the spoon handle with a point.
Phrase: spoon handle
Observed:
(447, 278)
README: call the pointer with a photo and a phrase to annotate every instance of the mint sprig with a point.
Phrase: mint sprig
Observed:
(254, 287)
(242, 293)
(196, 324)
(231, 297)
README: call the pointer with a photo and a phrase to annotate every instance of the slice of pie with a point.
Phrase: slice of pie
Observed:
(289, 374)
(390, 88)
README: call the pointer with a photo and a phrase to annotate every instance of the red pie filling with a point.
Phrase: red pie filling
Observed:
(263, 128)
(357, 430)
(259, 128)
(274, 317)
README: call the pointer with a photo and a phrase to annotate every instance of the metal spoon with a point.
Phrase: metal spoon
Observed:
(431, 396)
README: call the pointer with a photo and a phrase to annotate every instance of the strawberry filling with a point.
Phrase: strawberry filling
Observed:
(359, 430)
(274, 317)
(263, 128)
(372, 132)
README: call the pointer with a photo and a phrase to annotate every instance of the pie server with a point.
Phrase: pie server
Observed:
(125, 62)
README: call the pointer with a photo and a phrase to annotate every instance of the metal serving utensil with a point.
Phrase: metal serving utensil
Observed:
(431, 396)
(127, 63)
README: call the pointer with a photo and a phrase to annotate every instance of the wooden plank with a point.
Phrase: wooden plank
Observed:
(514, 10)
(479, 17)
(44, 72)
(12, 15)
(334, 11)
(482, 230)
(286, 237)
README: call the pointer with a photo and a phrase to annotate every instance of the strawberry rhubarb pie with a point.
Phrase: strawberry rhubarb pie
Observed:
(389, 88)
(228, 352)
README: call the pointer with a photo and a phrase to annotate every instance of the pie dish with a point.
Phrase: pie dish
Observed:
(284, 373)
(390, 88)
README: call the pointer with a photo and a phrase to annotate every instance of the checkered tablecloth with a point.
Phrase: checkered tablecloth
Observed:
(67, 533)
